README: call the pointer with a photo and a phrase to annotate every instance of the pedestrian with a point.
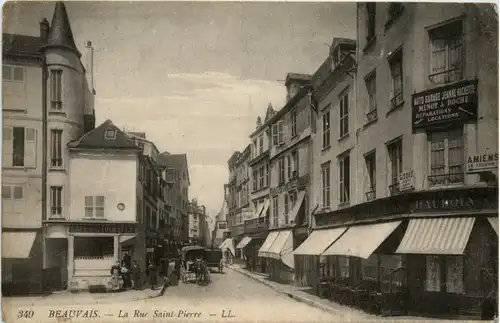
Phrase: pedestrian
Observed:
(136, 275)
(125, 273)
(178, 268)
(116, 280)
(166, 280)
(152, 274)
(128, 260)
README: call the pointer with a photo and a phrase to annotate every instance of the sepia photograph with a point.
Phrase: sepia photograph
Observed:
(222, 161)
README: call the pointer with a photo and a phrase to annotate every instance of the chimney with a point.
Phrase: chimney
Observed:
(44, 29)
(90, 65)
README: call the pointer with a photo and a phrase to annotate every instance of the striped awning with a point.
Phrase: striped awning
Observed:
(243, 243)
(438, 236)
(264, 209)
(282, 248)
(361, 240)
(318, 241)
(228, 244)
(17, 245)
(263, 251)
(494, 223)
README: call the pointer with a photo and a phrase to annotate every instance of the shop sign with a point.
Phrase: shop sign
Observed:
(454, 203)
(102, 228)
(446, 104)
(406, 181)
(482, 162)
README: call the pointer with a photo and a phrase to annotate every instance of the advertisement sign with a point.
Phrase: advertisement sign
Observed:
(446, 104)
(482, 162)
(102, 228)
(406, 181)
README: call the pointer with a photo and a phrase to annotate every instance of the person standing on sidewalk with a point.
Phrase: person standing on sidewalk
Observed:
(136, 275)
(152, 274)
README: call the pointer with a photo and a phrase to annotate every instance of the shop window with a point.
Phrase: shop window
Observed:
(369, 268)
(433, 274)
(455, 274)
(344, 267)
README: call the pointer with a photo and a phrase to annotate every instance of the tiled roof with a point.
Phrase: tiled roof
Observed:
(297, 76)
(97, 139)
(60, 33)
(177, 161)
(21, 44)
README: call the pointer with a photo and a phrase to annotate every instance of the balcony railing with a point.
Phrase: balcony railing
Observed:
(394, 189)
(256, 225)
(446, 179)
(370, 195)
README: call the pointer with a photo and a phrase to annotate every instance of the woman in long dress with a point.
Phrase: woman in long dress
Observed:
(116, 277)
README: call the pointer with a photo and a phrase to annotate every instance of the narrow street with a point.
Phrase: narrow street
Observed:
(230, 297)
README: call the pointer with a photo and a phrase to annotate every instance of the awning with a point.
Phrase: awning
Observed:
(282, 248)
(438, 236)
(494, 223)
(361, 241)
(126, 238)
(17, 245)
(263, 251)
(296, 207)
(265, 207)
(243, 243)
(229, 245)
(259, 210)
(318, 241)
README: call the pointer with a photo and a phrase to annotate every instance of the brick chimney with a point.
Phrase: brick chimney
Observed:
(44, 29)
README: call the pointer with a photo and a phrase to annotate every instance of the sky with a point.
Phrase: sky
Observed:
(194, 76)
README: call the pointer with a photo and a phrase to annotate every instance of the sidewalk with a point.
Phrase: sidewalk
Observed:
(347, 313)
(83, 298)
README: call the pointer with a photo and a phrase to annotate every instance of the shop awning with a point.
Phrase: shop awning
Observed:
(263, 251)
(296, 207)
(494, 223)
(318, 241)
(259, 210)
(282, 248)
(229, 245)
(265, 207)
(439, 236)
(127, 239)
(17, 245)
(361, 241)
(243, 243)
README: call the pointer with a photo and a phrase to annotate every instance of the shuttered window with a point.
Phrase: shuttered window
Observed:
(19, 147)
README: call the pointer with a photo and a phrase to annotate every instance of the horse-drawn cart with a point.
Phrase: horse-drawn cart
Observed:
(194, 266)
(213, 258)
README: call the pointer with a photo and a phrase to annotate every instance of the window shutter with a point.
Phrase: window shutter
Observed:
(7, 153)
(30, 147)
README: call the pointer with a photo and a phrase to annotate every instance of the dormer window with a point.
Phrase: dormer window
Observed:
(336, 59)
(110, 134)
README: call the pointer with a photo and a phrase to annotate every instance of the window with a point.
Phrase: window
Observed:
(94, 207)
(371, 171)
(110, 134)
(56, 201)
(395, 150)
(254, 179)
(19, 147)
(447, 53)
(295, 161)
(275, 210)
(325, 179)
(370, 20)
(281, 170)
(274, 131)
(281, 134)
(261, 176)
(395, 9)
(396, 66)
(344, 182)
(293, 198)
(455, 274)
(56, 147)
(289, 166)
(13, 73)
(433, 274)
(344, 115)
(261, 143)
(12, 192)
(446, 157)
(344, 266)
(371, 87)
(255, 150)
(56, 89)
(286, 206)
(326, 130)
(267, 174)
(293, 116)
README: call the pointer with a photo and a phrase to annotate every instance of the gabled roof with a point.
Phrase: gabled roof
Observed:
(60, 34)
(177, 161)
(14, 44)
(96, 139)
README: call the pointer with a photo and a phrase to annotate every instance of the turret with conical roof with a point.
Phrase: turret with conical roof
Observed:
(60, 34)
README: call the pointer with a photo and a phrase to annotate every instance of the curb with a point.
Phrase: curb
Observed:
(291, 295)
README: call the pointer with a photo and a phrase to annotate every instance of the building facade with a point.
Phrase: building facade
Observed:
(197, 223)
(48, 100)
(419, 181)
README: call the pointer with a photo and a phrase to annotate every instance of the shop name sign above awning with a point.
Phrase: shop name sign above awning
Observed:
(446, 104)
(454, 203)
(482, 162)
(102, 228)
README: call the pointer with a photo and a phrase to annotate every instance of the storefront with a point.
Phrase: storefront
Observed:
(256, 231)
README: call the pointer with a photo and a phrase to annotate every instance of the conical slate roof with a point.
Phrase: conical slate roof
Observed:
(60, 34)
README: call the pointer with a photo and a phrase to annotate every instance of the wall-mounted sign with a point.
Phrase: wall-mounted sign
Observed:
(102, 228)
(482, 162)
(454, 203)
(450, 103)
(406, 181)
